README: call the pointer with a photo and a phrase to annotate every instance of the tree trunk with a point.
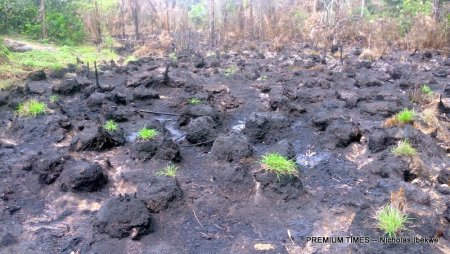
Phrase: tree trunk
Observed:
(42, 17)
(363, 3)
(122, 16)
(436, 10)
(134, 4)
(213, 24)
(98, 28)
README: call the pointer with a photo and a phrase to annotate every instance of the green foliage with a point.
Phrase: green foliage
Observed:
(391, 220)
(404, 148)
(130, 58)
(173, 57)
(279, 164)
(4, 53)
(53, 98)
(405, 116)
(111, 126)
(426, 90)
(170, 171)
(198, 14)
(147, 133)
(194, 101)
(31, 108)
(230, 71)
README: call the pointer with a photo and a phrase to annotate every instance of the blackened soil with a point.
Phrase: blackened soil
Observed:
(328, 117)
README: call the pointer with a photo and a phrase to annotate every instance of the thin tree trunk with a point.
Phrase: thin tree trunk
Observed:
(122, 16)
(135, 13)
(436, 10)
(213, 24)
(363, 3)
(42, 17)
(98, 28)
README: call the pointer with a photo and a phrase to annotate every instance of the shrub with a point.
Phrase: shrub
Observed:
(170, 171)
(404, 148)
(147, 133)
(405, 116)
(426, 90)
(279, 165)
(391, 220)
(111, 125)
(194, 101)
(31, 108)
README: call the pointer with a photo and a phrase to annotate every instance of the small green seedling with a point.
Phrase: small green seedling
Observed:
(31, 108)
(279, 165)
(230, 71)
(405, 116)
(170, 171)
(173, 57)
(263, 78)
(53, 98)
(111, 125)
(426, 90)
(404, 148)
(147, 133)
(391, 220)
(194, 101)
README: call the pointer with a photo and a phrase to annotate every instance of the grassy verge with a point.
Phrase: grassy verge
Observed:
(15, 65)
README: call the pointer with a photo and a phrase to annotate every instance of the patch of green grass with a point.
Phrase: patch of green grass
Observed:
(130, 58)
(111, 126)
(230, 71)
(31, 108)
(170, 171)
(426, 90)
(405, 116)
(147, 133)
(279, 164)
(173, 57)
(53, 98)
(194, 101)
(404, 148)
(391, 220)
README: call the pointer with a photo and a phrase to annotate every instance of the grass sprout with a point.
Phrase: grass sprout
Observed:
(169, 171)
(111, 125)
(405, 116)
(391, 220)
(147, 133)
(31, 108)
(279, 165)
(404, 148)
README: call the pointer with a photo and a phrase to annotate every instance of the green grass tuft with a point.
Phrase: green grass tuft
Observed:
(147, 133)
(194, 101)
(31, 108)
(53, 98)
(405, 116)
(111, 126)
(173, 57)
(404, 148)
(426, 90)
(279, 164)
(230, 71)
(170, 171)
(391, 220)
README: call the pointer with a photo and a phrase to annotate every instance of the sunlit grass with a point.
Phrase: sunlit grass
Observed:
(404, 148)
(194, 101)
(31, 108)
(111, 126)
(278, 164)
(147, 133)
(170, 171)
(405, 116)
(391, 220)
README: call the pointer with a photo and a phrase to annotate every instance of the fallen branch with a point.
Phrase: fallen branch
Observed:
(196, 144)
(158, 113)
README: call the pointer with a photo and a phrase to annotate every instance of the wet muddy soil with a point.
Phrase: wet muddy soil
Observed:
(67, 185)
